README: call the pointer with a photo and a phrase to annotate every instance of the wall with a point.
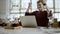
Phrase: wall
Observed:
(4, 8)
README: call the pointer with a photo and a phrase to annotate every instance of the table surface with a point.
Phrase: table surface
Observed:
(23, 30)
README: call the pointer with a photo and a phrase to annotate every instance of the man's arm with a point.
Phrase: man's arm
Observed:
(27, 11)
(49, 11)
(29, 6)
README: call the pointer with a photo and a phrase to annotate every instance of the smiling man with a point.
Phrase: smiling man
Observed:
(41, 15)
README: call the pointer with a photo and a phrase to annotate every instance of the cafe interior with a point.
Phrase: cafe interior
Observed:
(29, 17)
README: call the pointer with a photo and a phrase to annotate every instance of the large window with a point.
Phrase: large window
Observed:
(14, 8)
(57, 9)
(18, 7)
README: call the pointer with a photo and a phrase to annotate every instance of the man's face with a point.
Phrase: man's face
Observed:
(40, 6)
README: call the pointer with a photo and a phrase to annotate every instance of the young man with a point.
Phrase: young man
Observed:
(41, 16)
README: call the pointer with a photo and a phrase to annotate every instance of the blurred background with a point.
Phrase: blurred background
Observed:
(16, 8)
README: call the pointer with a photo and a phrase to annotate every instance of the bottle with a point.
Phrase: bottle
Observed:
(50, 13)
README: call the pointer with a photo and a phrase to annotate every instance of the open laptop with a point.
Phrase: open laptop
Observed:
(28, 21)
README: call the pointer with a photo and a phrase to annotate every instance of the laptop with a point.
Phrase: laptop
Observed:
(28, 21)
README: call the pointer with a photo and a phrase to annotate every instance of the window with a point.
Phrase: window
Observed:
(57, 9)
(14, 8)
(50, 3)
(18, 7)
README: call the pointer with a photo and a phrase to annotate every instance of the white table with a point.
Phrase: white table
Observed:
(25, 31)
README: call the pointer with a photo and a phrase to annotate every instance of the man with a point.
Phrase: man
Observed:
(41, 16)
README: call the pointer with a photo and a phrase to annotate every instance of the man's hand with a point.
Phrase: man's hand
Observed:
(30, 4)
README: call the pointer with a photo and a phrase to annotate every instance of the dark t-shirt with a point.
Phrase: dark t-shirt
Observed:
(41, 17)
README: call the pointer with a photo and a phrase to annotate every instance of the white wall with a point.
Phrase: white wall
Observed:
(4, 8)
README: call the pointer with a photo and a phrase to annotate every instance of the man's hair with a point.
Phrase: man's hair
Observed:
(39, 1)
